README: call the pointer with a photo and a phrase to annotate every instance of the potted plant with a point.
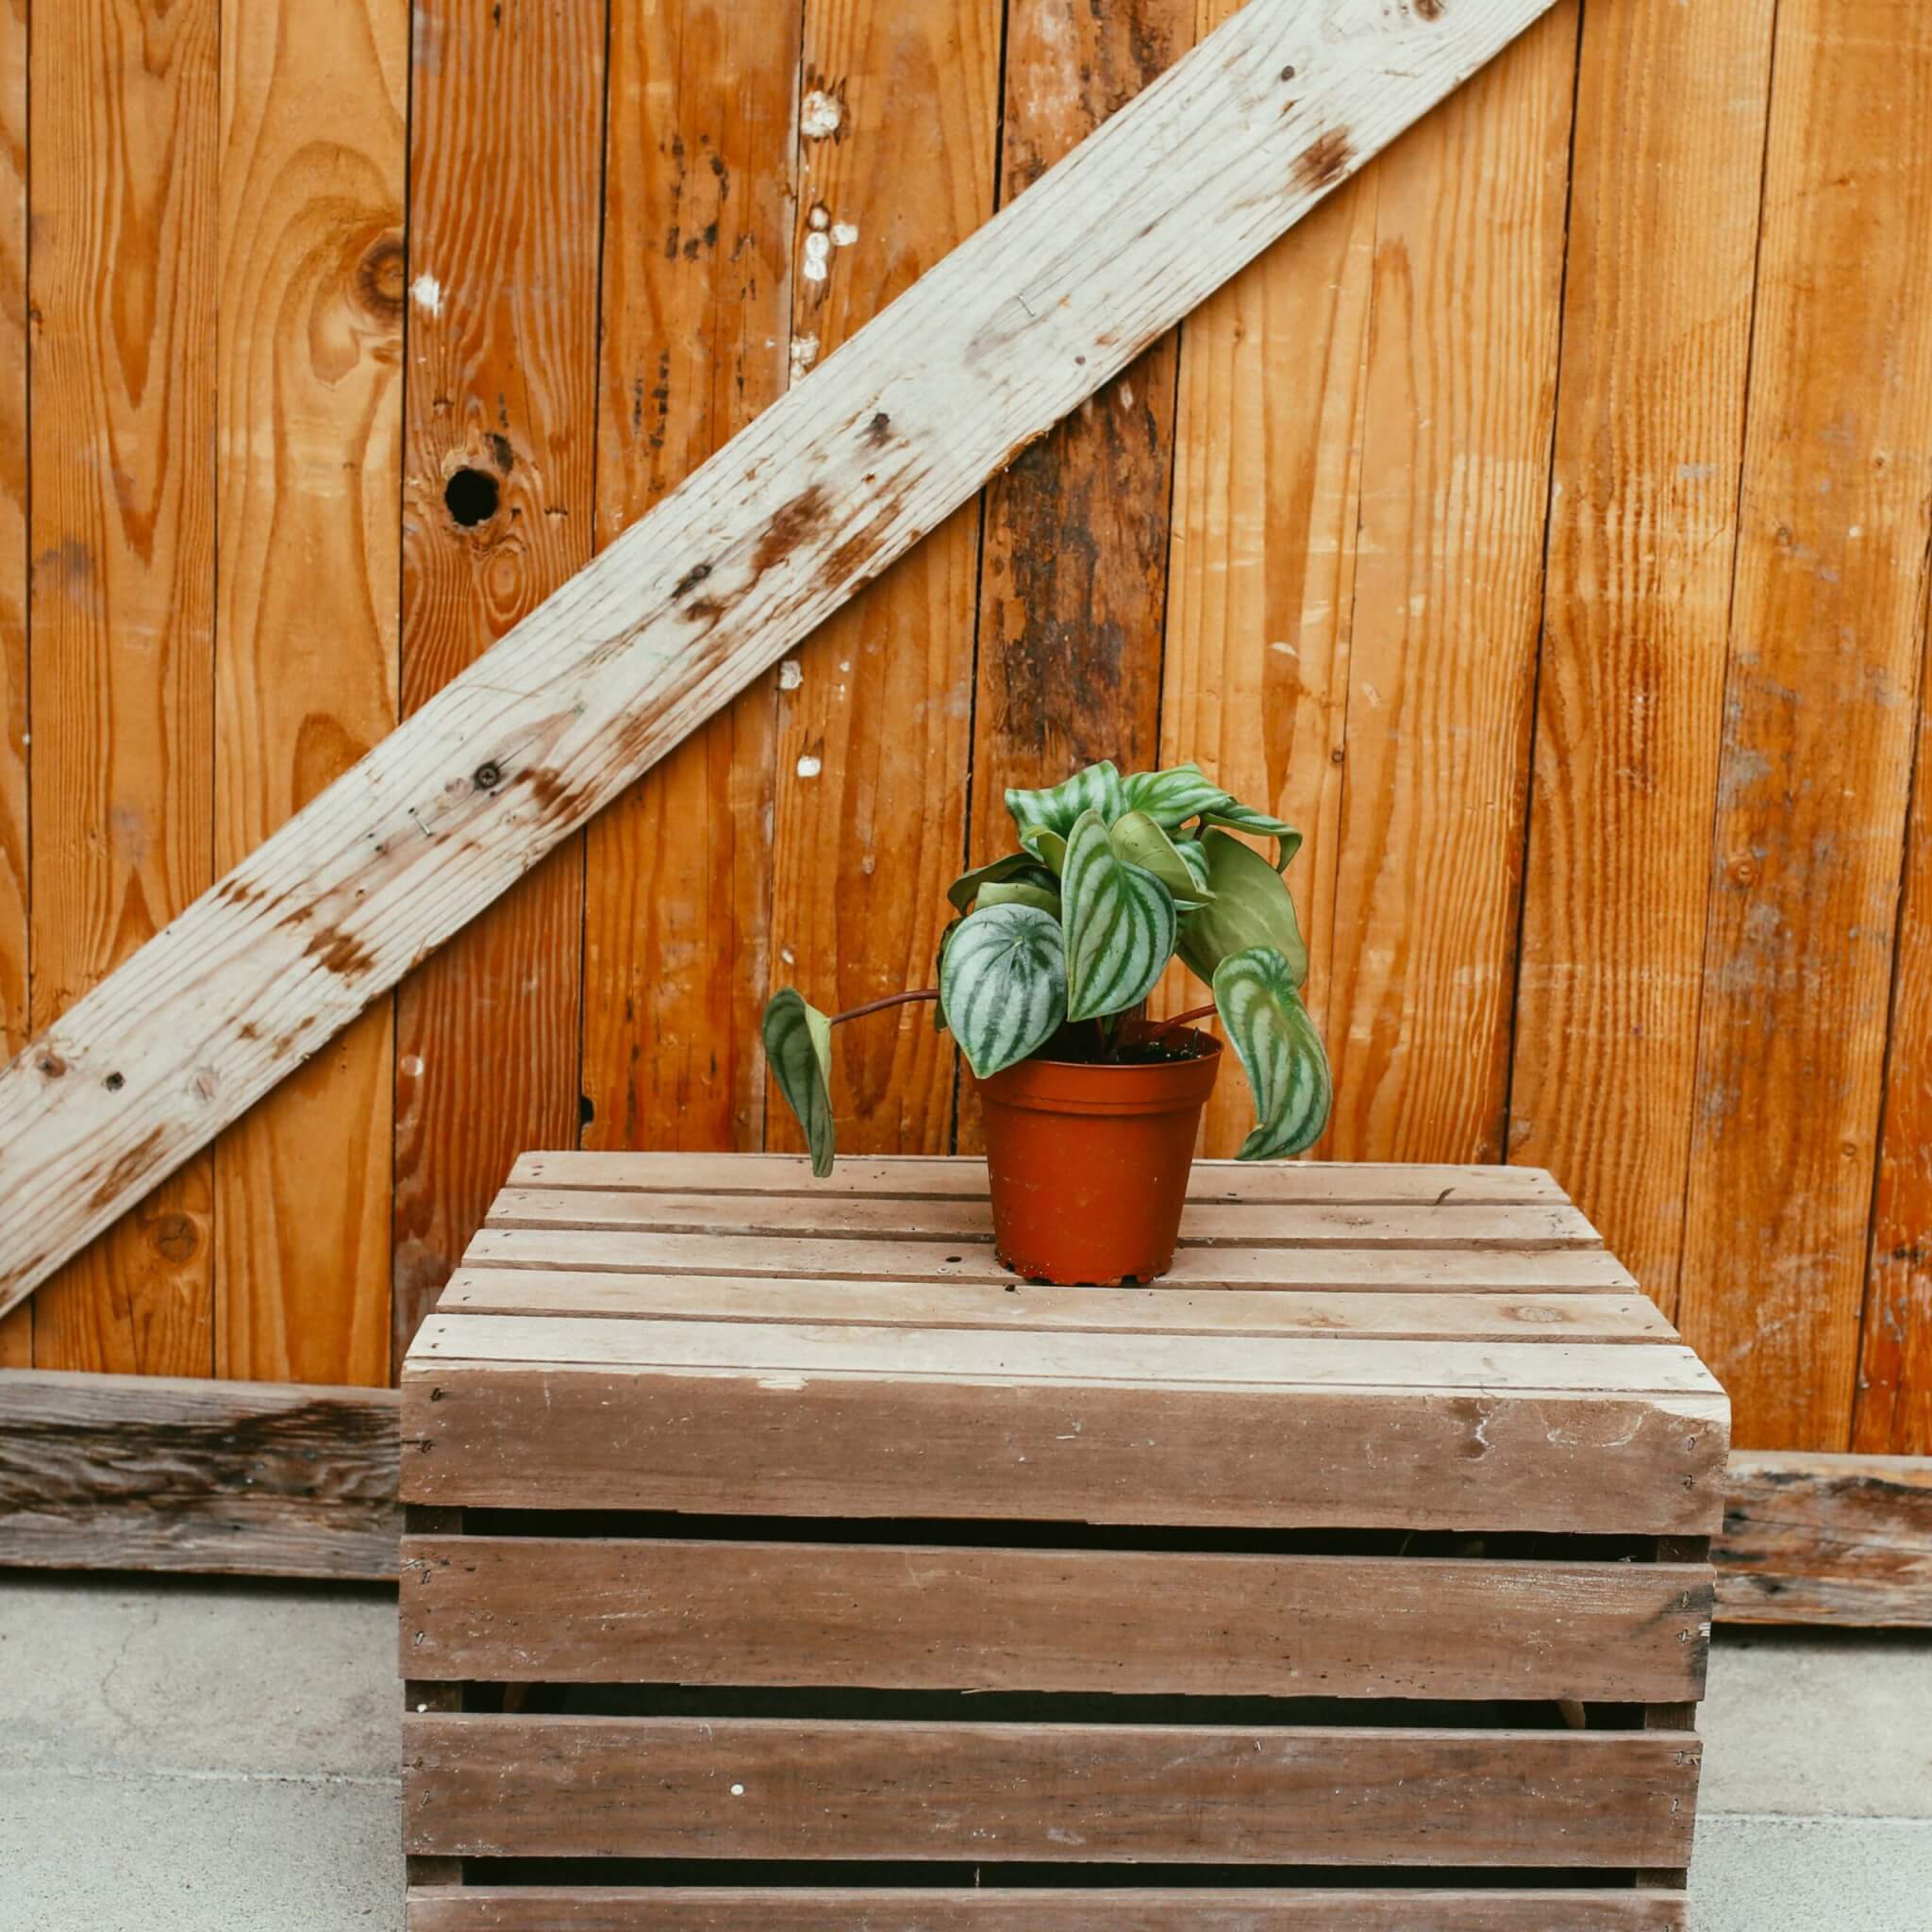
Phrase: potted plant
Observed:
(1090, 1109)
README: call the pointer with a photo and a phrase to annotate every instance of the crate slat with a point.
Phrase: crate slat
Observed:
(1026, 1353)
(930, 1177)
(566, 1610)
(760, 1788)
(584, 1909)
(783, 1444)
(1419, 1316)
(1586, 1271)
(1259, 1224)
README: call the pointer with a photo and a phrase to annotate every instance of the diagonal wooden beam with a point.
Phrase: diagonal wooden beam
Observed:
(1016, 327)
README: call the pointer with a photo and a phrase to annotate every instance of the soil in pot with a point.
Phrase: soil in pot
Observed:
(1089, 1159)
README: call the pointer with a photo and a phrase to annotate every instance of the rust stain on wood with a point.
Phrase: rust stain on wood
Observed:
(1325, 160)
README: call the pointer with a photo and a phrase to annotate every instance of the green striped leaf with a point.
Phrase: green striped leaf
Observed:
(1244, 818)
(798, 1043)
(1251, 907)
(1170, 797)
(1003, 983)
(1286, 1062)
(1096, 788)
(1181, 867)
(1120, 922)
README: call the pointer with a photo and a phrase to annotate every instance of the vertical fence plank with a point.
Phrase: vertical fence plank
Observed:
(1072, 573)
(125, 110)
(697, 299)
(1892, 1411)
(1261, 593)
(16, 1330)
(898, 120)
(505, 209)
(1073, 555)
(1447, 610)
(1650, 435)
(1819, 714)
(313, 99)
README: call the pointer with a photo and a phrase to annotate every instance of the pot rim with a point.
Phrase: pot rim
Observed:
(1091, 1087)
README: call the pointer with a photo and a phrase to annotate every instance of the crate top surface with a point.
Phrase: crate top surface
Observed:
(1350, 1346)
(1408, 1276)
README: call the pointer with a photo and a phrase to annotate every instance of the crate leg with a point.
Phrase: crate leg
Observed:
(1672, 1717)
(420, 1694)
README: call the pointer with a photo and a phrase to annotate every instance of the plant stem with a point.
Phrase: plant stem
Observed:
(892, 999)
(1167, 1026)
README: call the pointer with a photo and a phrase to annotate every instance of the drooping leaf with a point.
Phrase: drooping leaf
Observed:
(1003, 983)
(938, 969)
(1096, 788)
(1244, 818)
(1052, 849)
(966, 888)
(798, 1043)
(1120, 922)
(1286, 1064)
(1170, 797)
(1251, 907)
(1140, 842)
(1022, 892)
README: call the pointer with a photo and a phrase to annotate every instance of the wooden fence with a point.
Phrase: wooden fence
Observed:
(1543, 526)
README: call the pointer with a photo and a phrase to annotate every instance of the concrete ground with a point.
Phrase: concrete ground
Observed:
(183, 1757)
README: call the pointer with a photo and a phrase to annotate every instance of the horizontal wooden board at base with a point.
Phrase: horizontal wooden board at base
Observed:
(1414, 1316)
(1828, 1539)
(586, 1909)
(245, 1478)
(1580, 1271)
(556, 1609)
(1311, 1183)
(749, 1787)
(790, 1444)
(1265, 1225)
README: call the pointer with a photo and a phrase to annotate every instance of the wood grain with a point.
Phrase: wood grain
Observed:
(1656, 331)
(124, 280)
(1455, 493)
(698, 287)
(598, 1438)
(1812, 1539)
(729, 1908)
(745, 1788)
(1261, 582)
(874, 739)
(245, 1478)
(1892, 1405)
(504, 220)
(1190, 180)
(555, 1610)
(1819, 714)
(16, 1330)
(309, 399)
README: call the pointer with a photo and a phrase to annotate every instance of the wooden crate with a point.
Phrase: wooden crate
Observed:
(776, 1561)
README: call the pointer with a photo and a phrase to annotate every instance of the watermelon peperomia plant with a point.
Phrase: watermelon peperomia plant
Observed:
(1114, 876)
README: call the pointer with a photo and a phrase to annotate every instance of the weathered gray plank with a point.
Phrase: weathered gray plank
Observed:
(1811, 1539)
(246, 1479)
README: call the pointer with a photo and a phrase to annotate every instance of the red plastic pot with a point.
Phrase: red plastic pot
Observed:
(1089, 1164)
